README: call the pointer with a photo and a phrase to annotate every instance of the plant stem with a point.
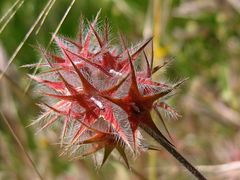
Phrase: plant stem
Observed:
(152, 162)
(173, 151)
(21, 145)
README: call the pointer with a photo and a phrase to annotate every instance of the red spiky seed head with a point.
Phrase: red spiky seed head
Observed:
(98, 96)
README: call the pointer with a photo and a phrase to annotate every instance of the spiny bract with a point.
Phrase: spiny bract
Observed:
(99, 97)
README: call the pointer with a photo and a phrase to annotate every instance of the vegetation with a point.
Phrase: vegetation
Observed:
(202, 40)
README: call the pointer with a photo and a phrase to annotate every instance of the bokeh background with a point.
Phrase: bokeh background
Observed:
(203, 38)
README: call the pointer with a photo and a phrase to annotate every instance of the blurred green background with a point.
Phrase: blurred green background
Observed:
(203, 38)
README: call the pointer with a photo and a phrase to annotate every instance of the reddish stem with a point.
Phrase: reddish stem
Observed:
(173, 152)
